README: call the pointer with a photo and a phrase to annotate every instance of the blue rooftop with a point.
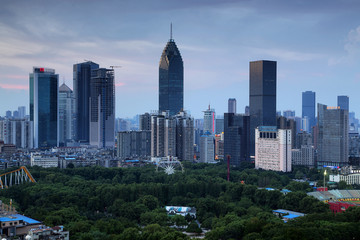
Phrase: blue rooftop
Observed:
(14, 217)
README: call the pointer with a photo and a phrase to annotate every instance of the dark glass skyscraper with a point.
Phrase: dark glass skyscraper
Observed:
(343, 102)
(43, 87)
(171, 79)
(236, 138)
(81, 88)
(102, 108)
(308, 107)
(262, 97)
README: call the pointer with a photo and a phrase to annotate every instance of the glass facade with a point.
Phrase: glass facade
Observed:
(333, 136)
(81, 87)
(236, 138)
(343, 102)
(262, 97)
(308, 107)
(171, 80)
(44, 107)
(102, 108)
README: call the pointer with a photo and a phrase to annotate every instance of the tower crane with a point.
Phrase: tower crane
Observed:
(112, 67)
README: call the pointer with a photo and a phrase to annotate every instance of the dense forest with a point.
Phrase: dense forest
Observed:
(128, 203)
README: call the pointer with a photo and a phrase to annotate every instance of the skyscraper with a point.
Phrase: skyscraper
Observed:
(44, 106)
(236, 138)
(66, 114)
(171, 79)
(209, 121)
(262, 97)
(81, 85)
(333, 136)
(343, 102)
(308, 107)
(102, 108)
(232, 105)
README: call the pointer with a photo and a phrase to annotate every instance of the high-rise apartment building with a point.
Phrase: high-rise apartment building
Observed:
(232, 105)
(81, 89)
(209, 120)
(308, 107)
(102, 108)
(333, 127)
(22, 111)
(172, 136)
(145, 121)
(18, 132)
(236, 138)
(273, 149)
(171, 79)
(44, 106)
(262, 97)
(134, 144)
(66, 114)
(343, 102)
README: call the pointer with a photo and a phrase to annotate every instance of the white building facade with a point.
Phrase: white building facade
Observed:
(273, 148)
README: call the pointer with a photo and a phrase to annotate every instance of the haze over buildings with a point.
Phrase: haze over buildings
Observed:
(131, 34)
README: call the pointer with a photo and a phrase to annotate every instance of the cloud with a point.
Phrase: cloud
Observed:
(286, 55)
(351, 47)
(14, 86)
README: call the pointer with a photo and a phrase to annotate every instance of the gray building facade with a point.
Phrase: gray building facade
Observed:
(333, 138)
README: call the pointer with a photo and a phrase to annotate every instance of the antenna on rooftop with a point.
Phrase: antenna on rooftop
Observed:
(171, 31)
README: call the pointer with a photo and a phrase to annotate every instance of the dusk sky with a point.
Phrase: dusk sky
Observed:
(316, 45)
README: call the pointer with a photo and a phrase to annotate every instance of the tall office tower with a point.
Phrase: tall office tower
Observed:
(81, 87)
(66, 114)
(207, 152)
(236, 138)
(353, 122)
(308, 107)
(232, 105)
(343, 102)
(289, 114)
(102, 108)
(44, 107)
(171, 79)
(333, 136)
(273, 149)
(172, 136)
(145, 121)
(262, 97)
(219, 125)
(305, 124)
(22, 111)
(209, 121)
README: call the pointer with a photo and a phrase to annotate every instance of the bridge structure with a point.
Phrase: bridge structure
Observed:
(18, 176)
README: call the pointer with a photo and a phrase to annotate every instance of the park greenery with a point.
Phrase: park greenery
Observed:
(128, 203)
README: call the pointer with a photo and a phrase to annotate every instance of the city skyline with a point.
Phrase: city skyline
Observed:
(217, 41)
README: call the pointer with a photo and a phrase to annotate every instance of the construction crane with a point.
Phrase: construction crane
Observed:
(112, 67)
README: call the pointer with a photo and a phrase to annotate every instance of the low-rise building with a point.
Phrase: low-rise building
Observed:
(44, 161)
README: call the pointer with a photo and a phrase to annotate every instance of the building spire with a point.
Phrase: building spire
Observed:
(171, 38)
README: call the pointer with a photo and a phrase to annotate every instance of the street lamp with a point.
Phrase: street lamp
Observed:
(324, 179)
